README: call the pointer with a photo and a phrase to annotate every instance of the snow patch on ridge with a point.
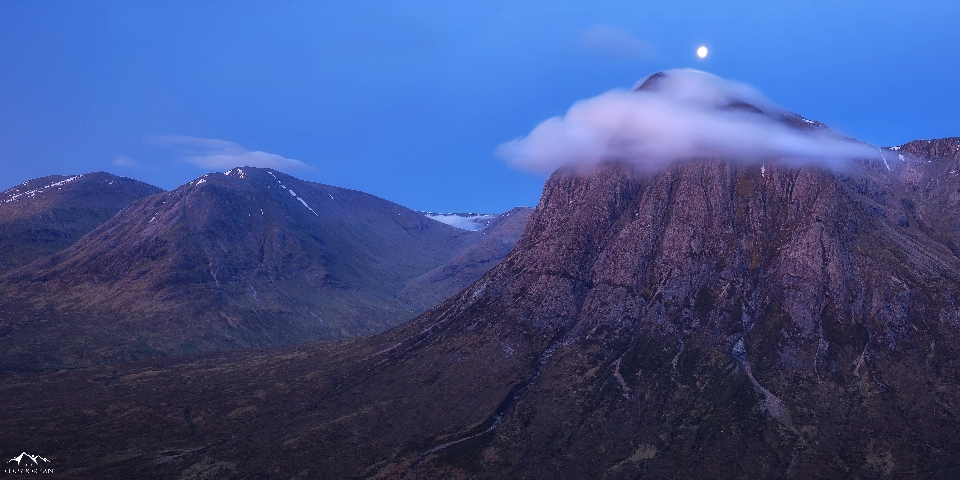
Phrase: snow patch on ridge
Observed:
(465, 221)
(238, 171)
(305, 205)
(17, 195)
(292, 194)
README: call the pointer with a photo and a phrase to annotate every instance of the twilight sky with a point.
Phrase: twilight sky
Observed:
(409, 100)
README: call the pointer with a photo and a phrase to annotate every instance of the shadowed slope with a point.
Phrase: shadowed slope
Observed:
(448, 279)
(252, 257)
(46, 215)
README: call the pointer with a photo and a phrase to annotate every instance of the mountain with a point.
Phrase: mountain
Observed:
(46, 215)
(929, 171)
(499, 235)
(712, 320)
(252, 257)
(466, 221)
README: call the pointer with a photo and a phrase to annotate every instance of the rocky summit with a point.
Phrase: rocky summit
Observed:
(247, 258)
(711, 320)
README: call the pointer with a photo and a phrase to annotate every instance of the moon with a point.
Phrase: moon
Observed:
(702, 52)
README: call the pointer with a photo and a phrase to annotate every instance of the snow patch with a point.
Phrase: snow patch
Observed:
(465, 221)
(884, 157)
(16, 195)
(237, 171)
(305, 205)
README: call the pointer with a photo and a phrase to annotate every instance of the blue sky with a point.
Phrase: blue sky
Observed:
(408, 100)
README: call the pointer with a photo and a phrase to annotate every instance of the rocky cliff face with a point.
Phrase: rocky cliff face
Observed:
(46, 215)
(713, 320)
(928, 172)
(248, 258)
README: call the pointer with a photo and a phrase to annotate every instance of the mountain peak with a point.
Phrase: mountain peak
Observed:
(936, 149)
(697, 87)
(48, 214)
(246, 257)
(680, 115)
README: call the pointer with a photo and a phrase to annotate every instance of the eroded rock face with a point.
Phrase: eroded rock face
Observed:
(928, 173)
(937, 149)
(711, 320)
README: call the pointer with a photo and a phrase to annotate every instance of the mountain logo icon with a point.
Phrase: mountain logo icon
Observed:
(36, 459)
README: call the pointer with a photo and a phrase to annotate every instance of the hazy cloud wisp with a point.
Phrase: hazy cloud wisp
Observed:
(221, 154)
(611, 41)
(125, 161)
(679, 115)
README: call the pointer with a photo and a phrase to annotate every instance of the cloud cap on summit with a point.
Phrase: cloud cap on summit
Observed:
(677, 115)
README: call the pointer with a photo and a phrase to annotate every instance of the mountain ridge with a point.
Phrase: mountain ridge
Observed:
(710, 320)
(249, 257)
(46, 215)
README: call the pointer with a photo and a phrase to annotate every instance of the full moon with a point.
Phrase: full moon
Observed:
(702, 52)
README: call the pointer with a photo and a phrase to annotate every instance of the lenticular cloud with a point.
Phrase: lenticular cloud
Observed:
(221, 154)
(678, 115)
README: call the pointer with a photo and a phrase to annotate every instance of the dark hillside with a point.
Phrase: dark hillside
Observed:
(46, 215)
(248, 258)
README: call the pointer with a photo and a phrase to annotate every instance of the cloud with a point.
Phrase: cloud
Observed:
(610, 41)
(221, 154)
(678, 115)
(125, 161)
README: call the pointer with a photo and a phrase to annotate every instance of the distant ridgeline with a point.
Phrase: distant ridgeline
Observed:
(466, 221)
(249, 258)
